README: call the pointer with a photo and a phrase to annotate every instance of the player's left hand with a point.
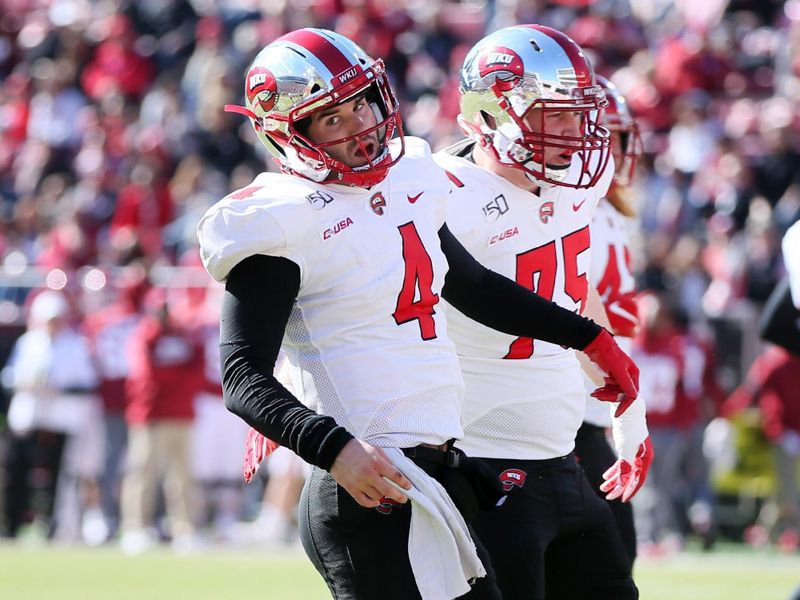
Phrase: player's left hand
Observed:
(625, 478)
(622, 374)
(257, 447)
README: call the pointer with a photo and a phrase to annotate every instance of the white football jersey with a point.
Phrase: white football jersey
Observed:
(523, 398)
(367, 338)
(611, 274)
(611, 262)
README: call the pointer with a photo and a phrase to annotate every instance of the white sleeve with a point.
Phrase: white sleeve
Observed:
(229, 232)
(791, 258)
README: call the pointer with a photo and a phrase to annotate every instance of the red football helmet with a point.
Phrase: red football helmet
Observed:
(306, 71)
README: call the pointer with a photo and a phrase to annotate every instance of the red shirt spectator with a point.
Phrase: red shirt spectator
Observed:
(110, 330)
(662, 366)
(773, 381)
(166, 366)
(116, 66)
(143, 209)
(676, 378)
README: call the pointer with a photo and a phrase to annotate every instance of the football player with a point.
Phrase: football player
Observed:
(342, 258)
(524, 188)
(610, 273)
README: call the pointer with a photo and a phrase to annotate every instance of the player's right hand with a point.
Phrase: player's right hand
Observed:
(362, 470)
(257, 447)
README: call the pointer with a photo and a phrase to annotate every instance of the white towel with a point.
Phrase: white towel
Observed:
(442, 553)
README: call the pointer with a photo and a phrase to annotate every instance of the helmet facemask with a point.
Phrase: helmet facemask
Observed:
(517, 144)
(311, 159)
(630, 149)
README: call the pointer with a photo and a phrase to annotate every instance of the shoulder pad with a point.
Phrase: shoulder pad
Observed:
(258, 219)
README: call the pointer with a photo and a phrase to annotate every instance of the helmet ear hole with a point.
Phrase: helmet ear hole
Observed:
(274, 146)
(488, 120)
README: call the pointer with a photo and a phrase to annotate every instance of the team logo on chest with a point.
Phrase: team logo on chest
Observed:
(494, 209)
(512, 477)
(262, 88)
(378, 203)
(503, 64)
(319, 200)
(335, 229)
(546, 210)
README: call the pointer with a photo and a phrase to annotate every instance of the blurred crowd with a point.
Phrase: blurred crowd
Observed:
(113, 143)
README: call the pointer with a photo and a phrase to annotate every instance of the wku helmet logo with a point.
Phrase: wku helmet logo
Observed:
(504, 64)
(512, 477)
(262, 88)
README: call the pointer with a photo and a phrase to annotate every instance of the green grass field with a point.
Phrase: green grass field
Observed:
(39, 573)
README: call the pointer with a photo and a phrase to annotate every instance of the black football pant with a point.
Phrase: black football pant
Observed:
(553, 537)
(362, 553)
(595, 456)
(32, 465)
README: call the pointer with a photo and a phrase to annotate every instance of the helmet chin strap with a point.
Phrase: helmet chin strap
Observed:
(301, 167)
(504, 139)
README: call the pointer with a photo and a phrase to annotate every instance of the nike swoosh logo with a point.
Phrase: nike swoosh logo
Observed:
(413, 199)
(577, 207)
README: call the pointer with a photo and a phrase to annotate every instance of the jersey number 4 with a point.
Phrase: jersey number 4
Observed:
(416, 299)
(543, 262)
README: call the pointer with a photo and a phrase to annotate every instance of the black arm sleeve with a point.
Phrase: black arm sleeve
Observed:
(504, 305)
(259, 295)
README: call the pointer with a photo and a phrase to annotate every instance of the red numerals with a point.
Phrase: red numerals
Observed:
(609, 284)
(536, 270)
(575, 284)
(418, 278)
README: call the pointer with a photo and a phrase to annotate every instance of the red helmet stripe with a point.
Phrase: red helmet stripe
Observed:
(323, 49)
(579, 61)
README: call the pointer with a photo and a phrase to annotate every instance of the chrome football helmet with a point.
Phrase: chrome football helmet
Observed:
(517, 69)
(617, 118)
(306, 71)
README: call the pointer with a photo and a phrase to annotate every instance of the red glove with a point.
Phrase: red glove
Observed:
(624, 479)
(623, 314)
(622, 374)
(257, 448)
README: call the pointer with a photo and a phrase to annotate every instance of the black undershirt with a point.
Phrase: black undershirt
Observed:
(259, 295)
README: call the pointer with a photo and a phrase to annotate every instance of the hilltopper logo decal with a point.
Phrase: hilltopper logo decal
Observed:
(262, 88)
(504, 64)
